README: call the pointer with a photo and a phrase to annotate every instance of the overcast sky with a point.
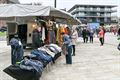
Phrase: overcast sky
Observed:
(61, 4)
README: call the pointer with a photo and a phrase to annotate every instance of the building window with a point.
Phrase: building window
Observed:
(98, 8)
(107, 14)
(102, 9)
(91, 8)
(94, 8)
(81, 14)
(107, 9)
(101, 19)
(98, 14)
(102, 14)
(81, 8)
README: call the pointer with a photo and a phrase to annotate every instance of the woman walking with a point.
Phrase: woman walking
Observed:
(101, 36)
(74, 37)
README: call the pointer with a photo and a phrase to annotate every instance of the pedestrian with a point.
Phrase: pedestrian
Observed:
(118, 32)
(101, 36)
(68, 43)
(104, 30)
(91, 35)
(85, 35)
(37, 37)
(114, 30)
(97, 31)
(74, 37)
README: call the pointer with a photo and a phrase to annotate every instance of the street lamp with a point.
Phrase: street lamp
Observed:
(55, 4)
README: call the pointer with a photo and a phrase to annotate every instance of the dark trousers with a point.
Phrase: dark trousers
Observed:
(101, 41)
(85, 39)
(69, 56)
(91, 39)
(73, 46)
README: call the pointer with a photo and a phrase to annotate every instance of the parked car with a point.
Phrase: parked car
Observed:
(3, 29)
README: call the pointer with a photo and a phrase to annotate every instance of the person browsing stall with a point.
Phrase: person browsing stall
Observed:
(68, 43)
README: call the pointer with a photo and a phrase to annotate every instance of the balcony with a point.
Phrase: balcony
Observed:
(94, 16)
(94, 10)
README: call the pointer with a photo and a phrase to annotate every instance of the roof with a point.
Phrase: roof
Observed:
(14, 1)
(91, 5)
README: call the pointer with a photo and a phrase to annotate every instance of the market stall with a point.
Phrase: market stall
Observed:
(27, 18)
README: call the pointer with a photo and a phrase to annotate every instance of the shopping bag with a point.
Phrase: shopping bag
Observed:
(64, 49)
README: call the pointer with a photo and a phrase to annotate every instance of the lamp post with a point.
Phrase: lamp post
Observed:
(55, 4)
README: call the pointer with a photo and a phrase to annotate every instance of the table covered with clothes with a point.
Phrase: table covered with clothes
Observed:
(33, 64)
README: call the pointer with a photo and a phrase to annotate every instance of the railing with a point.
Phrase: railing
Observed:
(95, 10)
(92, 16)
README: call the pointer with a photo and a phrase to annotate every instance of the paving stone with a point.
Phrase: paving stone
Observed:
(92, 62)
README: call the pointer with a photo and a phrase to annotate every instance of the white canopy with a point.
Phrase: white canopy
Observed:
(21, 10)
(24, 10)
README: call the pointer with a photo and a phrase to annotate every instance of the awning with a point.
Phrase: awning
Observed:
(24, 10)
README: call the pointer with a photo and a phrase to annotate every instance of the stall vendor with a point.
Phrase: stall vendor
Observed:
(37, 37)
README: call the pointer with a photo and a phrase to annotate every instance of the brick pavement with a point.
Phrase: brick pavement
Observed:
(92, 62)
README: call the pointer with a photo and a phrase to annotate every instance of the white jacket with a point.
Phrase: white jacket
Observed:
(74, 37)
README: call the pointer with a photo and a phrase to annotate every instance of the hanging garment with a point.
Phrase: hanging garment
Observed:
(60, 38)
(57, 35)
(43, 33)
(37, 39)
(16, 50)
(52, 36)
(46, 35)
